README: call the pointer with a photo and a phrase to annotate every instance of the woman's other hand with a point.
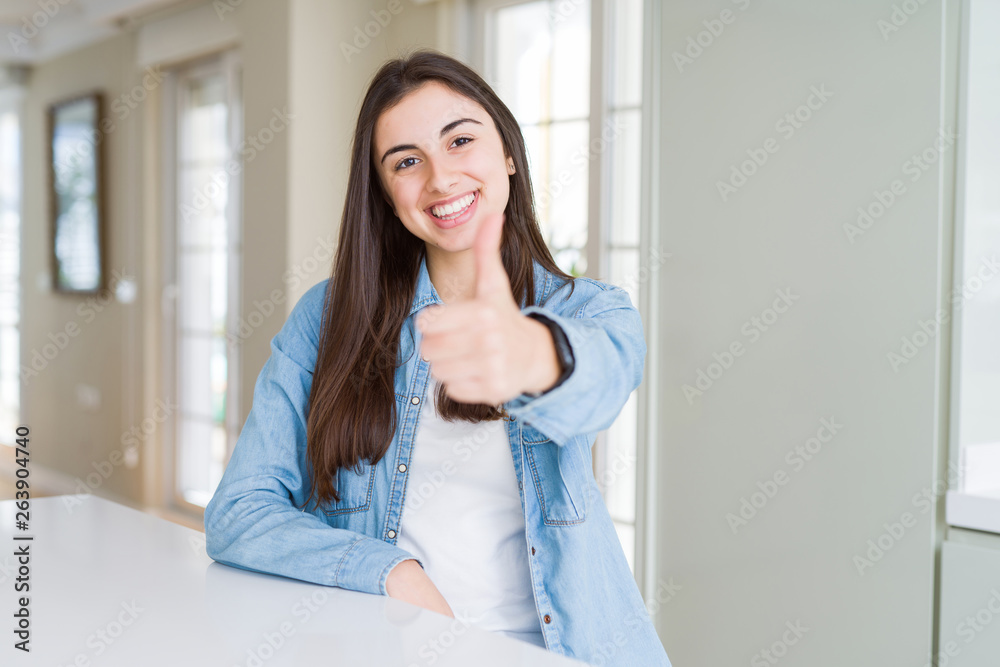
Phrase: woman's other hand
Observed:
(408, 582)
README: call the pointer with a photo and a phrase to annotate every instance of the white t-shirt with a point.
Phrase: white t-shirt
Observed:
(462, 517)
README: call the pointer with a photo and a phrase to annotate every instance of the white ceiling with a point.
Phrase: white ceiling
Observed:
(33, 31)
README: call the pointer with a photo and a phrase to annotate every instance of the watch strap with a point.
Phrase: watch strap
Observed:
(564, 353)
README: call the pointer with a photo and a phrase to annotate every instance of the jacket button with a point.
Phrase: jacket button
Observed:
(391, 534)
(402, 467)
(415, 400)
(532, 551)
(547, 619)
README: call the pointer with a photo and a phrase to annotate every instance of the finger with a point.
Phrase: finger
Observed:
(448, 345)
(467, 316)
(427, 317)
(491, 279)
(454, 372)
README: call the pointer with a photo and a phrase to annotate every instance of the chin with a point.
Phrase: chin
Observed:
(455, 247)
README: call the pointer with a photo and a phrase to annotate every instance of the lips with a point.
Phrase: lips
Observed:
(449, 207)
(461, 219)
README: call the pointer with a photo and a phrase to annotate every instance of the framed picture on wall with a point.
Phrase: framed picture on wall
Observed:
(76, 194)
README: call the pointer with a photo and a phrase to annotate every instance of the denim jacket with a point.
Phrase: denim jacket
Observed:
(586, 597)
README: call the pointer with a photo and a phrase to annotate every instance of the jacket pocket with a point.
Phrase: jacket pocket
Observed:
(355, 490)
(561, 475)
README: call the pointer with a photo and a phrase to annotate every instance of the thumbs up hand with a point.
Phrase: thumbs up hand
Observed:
(484, 350)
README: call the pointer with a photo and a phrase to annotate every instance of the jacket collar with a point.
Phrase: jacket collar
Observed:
(426, 294)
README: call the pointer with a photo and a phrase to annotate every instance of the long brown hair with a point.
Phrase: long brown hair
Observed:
(352, 404)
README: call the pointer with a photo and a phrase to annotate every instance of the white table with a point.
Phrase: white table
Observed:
(114, 586)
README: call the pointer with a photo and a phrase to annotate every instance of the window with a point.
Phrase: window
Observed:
(540, 70)
(975, 299)
(204, 264)
(10, 265)
(621, 131)
(571, 72)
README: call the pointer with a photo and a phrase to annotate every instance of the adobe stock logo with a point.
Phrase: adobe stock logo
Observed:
(787, 125)
(779, 649)
(752, 329)
(899, 17)
(796, 458)
(38, 20)
(697, 44)
(372, 29)
(929, 328)
(882, 201)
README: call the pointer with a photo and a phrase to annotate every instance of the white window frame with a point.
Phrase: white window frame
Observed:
(228, 63)
(475, 20)
(964, 508)
(647, 430)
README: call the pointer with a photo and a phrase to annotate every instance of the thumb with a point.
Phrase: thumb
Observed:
(491, 278)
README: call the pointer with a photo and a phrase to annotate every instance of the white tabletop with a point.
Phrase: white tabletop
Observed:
(114, 586)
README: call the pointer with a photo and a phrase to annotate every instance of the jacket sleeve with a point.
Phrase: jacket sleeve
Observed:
(605, 335)
(253, 521)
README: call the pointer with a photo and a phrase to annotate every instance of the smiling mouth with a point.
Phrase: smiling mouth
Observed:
(456, 209)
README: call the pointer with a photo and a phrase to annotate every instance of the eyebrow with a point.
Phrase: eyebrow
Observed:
(444, 130)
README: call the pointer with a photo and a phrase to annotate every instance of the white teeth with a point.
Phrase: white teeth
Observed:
(454, 207)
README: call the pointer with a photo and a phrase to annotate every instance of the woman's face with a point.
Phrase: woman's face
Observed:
(437, 149)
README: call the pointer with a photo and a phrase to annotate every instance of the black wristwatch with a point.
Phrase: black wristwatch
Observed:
(563, 351)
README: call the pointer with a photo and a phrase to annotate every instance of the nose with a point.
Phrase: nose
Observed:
(442, 177)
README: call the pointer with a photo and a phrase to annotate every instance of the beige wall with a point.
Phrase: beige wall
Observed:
(265, 48)
(70, 437)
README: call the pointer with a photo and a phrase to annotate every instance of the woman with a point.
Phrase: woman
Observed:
(448, 347)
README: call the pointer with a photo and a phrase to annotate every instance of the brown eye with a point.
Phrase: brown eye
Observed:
(399, 165)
